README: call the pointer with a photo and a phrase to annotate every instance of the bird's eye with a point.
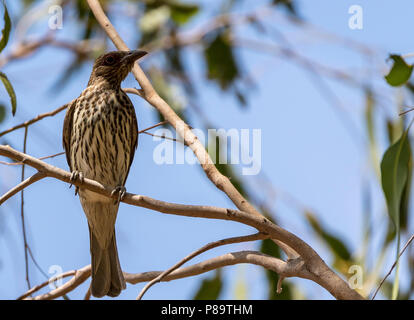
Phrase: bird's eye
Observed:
(109, 60)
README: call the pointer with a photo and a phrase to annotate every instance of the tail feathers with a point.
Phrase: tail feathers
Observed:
(107, 278)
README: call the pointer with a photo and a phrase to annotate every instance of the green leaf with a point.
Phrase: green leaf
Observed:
(215, 150)
(395, 167)
(333, 242)
(400, 72)
(154, 19)
(210, 288)
(395, 170)
(221, 63)
(10, 91)
(288, 4)
(6, 30)
(2, 113)
(181, 13)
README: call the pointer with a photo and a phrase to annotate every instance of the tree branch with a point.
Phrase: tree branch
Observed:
(209, 246)
(44, 284)
(316, 267)
(79, 277)
(393, 266)
(286, 269)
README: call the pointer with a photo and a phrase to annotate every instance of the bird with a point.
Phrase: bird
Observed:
(100, 136)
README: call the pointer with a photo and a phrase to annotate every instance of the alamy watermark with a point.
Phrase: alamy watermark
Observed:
(56, 17)
(356, 20)
(356, 280)
(56, 280)
(226, 146)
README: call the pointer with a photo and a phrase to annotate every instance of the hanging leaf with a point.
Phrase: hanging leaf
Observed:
(221, 63)
(10, 91)
(215, 150)
(395, 166)
(154, 19)
(336, 245)
(6, 30)
(395, 170)
(400, 72)
(288, 4)
(181, 13)
(210, 288)
(2, 113)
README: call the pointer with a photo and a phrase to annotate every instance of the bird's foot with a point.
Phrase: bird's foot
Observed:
(121, 191)
(76, 175)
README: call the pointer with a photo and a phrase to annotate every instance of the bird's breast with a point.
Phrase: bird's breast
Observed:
(101, 147)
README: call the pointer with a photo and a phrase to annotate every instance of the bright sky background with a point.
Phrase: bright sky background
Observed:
(306, 151)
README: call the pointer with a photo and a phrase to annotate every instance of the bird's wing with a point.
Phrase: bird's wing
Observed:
(134, 135)
(67, 131)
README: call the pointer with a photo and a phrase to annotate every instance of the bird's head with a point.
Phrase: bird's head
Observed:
(113, 67)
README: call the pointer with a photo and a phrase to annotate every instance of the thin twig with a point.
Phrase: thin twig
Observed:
(209, 246)
(37, 118)
(406, 111)
(154, 126)
(79, 276)
(36, 263)
(63, 152)
(22, 213)
(163, 137)
(279, 285)
(41, 158)
(22, 185)
(393, 266)
(44, 284)
(88, 294)
(136, 91)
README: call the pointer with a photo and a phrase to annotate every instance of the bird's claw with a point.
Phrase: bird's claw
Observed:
(121, 191)
(76, 175)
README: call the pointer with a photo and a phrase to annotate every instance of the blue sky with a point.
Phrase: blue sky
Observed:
(306, 151)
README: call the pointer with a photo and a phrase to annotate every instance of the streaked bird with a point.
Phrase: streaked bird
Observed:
(100, 135)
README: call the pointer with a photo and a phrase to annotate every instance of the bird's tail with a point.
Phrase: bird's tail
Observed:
(107, 278)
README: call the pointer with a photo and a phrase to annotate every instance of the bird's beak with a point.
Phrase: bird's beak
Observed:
(133, 55)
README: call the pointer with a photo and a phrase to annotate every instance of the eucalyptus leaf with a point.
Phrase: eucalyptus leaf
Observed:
(181, 13)
(5, 33)
(2, 113)
(10, 91)
(221, 63)
(210, 288)
(395, 170)
(288, 4)
(400, 72)
(337, 246)
(395, 167)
